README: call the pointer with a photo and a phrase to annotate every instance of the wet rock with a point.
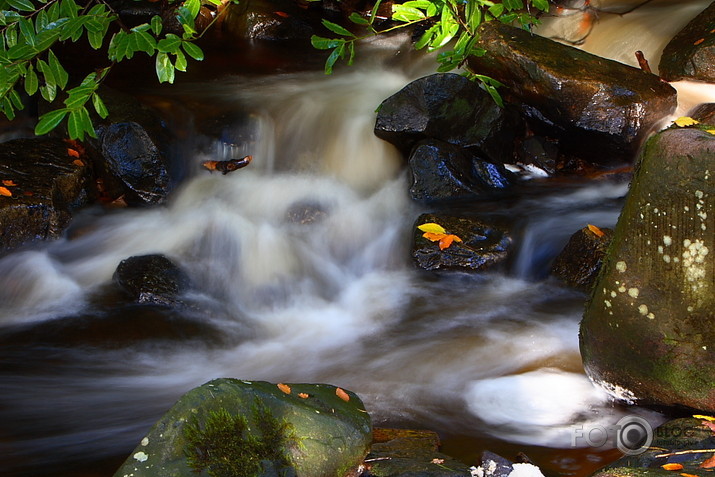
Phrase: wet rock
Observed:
(48, 185)
(407, 452)
(539, 154)
(647, 333)
(483, 245)
(452, 109)
(442, 171)
(151, 279)
(267, 20)
(705, 113)
(599, 109)
(297, 429)
(493, 465)
(675, 442)
(691, 53)
(305, 213)
(579, 262)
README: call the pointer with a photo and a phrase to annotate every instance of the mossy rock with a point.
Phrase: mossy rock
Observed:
(295, 429)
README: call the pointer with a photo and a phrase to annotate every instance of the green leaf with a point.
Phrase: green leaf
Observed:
(156, 24)
(336, 53)
(99, 106)
(170, 44)
(180, 62)
(193, 50)
(68, 8)
(50, 121)
(27, 30)
(143, 41)
(80, 123)
(542, 5)
(335, 28)
(164, 68)
(21, 51)
(7, 108)
(11, 36)
(325, 43)
(427, 37)
(71, 27)
(193, 7)
(22, 5)
(16, 100)
(58, 72)
(41, 21)
(407, 14)
(358, 19)
(77, 97)
(31, 81)
(49, 92)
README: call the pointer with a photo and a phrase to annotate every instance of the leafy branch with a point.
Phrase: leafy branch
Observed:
(448, 22)
(30, 29)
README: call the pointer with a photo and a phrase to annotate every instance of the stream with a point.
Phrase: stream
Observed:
(489, 361)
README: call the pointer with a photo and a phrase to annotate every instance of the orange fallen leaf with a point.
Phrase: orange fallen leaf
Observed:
(8, 183)
(284, 387)
(28, 193)
(698, 42)
(438, 461)
(688, 475)
(596, 230)
(434, 237)
(72, 152)
(282, 14)
(708, 463)
(5, 192)
(672, 466)
(303, 395)
(78, 162)
(342, 394)
(447, 240)
(224, 167)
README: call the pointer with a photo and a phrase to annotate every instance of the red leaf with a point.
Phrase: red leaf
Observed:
(342, 394)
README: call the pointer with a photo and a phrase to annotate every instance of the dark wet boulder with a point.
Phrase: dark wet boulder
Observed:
(306, 213)
(647, 332)
(482, 245)
(151, 279)
(580, 261)
(42, 184)
(691, 53)
(599, 109)
(705, 113)
(267, 20)
(686, 442)
(452, 109)
(408, 452)
(442, 171)
(237, 427)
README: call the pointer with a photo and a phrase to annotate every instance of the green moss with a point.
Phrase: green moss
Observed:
(226, 446)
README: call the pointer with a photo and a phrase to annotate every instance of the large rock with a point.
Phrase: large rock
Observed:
(256, 428)
(647, 334)
(483, 245)
(600, 109)
(452, 109)
(691, 53)
(580, 261)
(48, 184)
(151, 279)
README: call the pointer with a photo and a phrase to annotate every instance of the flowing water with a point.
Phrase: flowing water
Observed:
(488, 360)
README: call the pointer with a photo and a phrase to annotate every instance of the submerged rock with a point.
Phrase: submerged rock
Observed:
(598, 108)
(482, 245)
(42, 185)
(236, 427)
(647, 334)
(151, 279)
(452, 109)
(691, 53)
(579, 262)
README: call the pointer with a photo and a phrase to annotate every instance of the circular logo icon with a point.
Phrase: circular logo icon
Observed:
(634, 435)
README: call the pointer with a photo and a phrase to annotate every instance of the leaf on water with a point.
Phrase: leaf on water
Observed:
(4, 191)
(432, 228)
(284, 387)
(598, 232)
(685, 121)
(303, 395)
(342, 394)
(8, 183)
(708, 463)
(672, 466)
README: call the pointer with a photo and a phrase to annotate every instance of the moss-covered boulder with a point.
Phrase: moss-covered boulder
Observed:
(233, 428)
(599, 109)
(647, 334)
(691, 53)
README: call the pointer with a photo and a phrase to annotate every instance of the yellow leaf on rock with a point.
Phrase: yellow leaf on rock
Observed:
(596, 230)
(672, 466)
(342, 394)
(684, 121)
(5, 191)
(432, 228)
(707, 418)
(711, 131)
(284, 387)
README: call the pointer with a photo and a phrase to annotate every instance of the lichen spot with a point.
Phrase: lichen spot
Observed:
(699, 194)
(651, 316)
(145, 442)
(633, 292)
(686, 208)
(666, 258)
(613, 294)
(643, 310)
(141, 456)
(608, 303)
(686, 243)
(667, 240)
(690, 309)
(621, 266)
(622, 289)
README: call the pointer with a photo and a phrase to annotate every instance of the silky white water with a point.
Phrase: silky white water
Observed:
(332, 300)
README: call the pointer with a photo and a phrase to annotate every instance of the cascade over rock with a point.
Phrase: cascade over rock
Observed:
(647, 334)
(691, 53)
(600, 108)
